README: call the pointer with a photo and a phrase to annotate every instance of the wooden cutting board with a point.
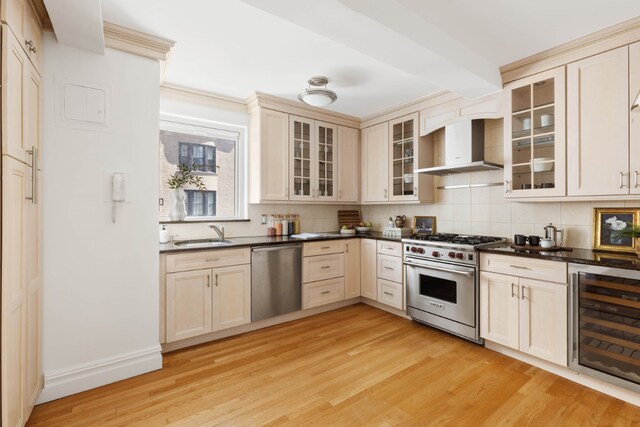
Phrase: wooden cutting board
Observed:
(349, 217)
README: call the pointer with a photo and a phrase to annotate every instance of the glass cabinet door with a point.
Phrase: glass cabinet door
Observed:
(403, 141)
(302, 137)
(326, 136)
(536, 142)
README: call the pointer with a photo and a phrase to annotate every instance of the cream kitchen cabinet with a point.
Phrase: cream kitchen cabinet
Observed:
(322, 273)
(534, 135)
(598, 124)
(269, 156)
(206, 292)
(634, 122)
(523, 313)
(375, 163)
(368, 268)
(313, 155)
(348, 164)
(25, 25)
(352, 268)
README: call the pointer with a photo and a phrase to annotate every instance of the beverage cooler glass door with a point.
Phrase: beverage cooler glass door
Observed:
(605, 324)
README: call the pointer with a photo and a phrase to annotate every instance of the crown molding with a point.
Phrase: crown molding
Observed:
(609, 38)
(42, 14)
(197, 95)
(263, 100)
(136, 42)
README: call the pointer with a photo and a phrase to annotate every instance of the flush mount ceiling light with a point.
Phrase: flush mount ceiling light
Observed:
(318, 97)
(636, 104)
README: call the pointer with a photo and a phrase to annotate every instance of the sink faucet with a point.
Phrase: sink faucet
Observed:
(219, 230)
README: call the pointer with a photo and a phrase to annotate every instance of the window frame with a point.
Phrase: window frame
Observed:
(202, 127)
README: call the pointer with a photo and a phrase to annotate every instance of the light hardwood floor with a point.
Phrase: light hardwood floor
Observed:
(353, 366)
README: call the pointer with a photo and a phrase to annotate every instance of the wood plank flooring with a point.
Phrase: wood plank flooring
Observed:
(353, 366)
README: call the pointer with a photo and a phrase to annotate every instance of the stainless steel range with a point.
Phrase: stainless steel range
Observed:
(442, 281)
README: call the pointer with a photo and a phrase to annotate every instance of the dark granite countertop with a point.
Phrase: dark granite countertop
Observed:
(576, 255)
(237, 242)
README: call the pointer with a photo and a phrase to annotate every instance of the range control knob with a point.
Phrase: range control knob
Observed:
(414, 250)
(460, 255)
(435, 254)
(452, 254)
(420, 250)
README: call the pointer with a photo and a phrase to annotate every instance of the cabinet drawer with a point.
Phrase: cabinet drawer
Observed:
(390, 268)
(551, 271)
(323, 292)
(389, 248)
(207, 259)
(390, 293)
(322, 267)
(322, 248)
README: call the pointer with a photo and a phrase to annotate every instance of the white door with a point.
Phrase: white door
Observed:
(375, 164)
(231, 296)
(499, 295)
(598, 124)
(348, 164)
(188, 300)
(302, 164)
(368, 269)
(634, 124)
(351, 268)
(543, 320)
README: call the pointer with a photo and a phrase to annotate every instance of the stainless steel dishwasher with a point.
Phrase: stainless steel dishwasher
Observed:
(276, 280)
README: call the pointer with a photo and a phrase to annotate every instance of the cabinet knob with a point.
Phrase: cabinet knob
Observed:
(506, 186)
(30, 45)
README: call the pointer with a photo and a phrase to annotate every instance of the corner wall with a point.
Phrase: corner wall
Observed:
(100, 314)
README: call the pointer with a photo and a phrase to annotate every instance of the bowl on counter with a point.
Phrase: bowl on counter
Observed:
(363, 229)
(350, 232)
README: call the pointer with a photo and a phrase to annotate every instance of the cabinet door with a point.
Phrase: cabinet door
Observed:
(32, 36)
(189, 301)
(272, 153)
(634, 125)
(31, 119)
(375, 164)
(325, 165)
(13, 12)
(403, 154)
(14, 72)
(231, 296)
(543, 320)
(534, 135)
(499, 308)
(14, 290)
(323, 292)
(598, 124)
(351, 268)
(391, 293)
(303, 159)
(348, 164)
(368, 277)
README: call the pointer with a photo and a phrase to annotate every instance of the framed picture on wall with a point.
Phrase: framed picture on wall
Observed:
(424, 225)
(606, 221)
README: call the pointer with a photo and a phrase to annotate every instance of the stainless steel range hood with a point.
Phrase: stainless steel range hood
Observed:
(464, 149)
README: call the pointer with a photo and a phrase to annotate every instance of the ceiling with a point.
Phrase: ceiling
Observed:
(375, 54)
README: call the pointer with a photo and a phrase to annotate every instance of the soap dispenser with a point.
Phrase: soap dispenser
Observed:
(164, 235)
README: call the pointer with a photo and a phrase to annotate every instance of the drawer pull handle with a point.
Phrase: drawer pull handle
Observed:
(325, 292)
(213, 260)
(389, 268)
(326, 247)
(513, 294)
(521, 267)
(388, 293)
(325, 266)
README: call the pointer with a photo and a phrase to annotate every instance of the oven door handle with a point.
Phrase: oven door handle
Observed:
(446, 270)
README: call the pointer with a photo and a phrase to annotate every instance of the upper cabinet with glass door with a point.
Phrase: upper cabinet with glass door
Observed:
(312, 164)
(535, 136)
(403, 155)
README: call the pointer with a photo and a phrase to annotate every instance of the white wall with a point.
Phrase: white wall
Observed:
(100, 278)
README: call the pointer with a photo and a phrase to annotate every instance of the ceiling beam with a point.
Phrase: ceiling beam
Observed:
(392, 32)
(77, 23)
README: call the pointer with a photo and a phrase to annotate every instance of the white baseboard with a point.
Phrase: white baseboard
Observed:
(65, 382)
(562, 371)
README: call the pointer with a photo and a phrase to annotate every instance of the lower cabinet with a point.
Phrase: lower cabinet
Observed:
(368, 270)
(390, 293)
(352, 281)
(322, 292)
(525, 314)
(323, 273)
(207, 300)
(381, 272)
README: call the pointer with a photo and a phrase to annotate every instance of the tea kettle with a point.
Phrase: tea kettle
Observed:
(552, 232)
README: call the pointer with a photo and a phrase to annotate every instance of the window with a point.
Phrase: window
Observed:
(218, 155)
(202, 156)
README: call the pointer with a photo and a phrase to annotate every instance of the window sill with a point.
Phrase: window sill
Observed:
(201, 220)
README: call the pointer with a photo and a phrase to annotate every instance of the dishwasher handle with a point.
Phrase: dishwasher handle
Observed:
(275, 248)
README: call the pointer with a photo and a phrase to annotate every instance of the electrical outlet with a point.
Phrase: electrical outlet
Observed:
(264, 219)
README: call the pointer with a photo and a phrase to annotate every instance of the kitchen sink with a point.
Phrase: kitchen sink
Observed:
(202, 243)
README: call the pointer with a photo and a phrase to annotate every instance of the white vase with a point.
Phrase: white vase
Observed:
(178, 210)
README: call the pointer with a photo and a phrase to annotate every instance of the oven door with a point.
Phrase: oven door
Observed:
(442, 289)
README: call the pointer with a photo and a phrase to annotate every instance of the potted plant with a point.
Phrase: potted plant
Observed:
(631, 230)
(185, 175)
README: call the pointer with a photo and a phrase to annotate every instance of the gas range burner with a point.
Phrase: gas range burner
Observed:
(459, 239)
